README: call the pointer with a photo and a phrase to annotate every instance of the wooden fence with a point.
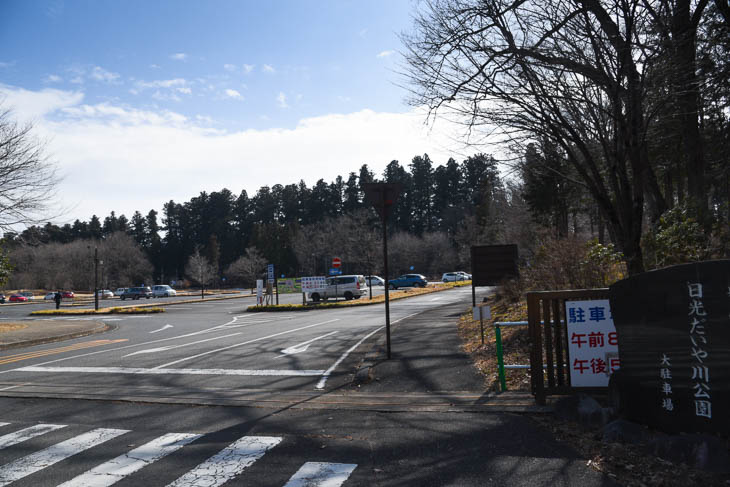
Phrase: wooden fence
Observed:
(549, 361)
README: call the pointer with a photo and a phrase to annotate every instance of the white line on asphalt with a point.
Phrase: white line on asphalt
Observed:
(302, 347)
(163, 328)
(28, 433)
(110, 350)
(172, 347)
(113, 471)
(159, 371)
(22, 467)
(11, 387)
(243, 343)
(326, 375)
(4, 424)
(227, 463)
(320, 474)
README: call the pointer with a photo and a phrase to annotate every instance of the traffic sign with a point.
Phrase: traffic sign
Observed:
(336, 262)
(335, 272)
(270, 272)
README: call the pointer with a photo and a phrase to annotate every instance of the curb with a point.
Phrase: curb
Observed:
(59, 338)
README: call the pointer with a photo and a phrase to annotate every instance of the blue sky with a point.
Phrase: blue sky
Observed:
(195, 96)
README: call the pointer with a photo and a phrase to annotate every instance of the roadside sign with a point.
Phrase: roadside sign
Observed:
(335, 272)
(481, 312)
(592, 343)
(336, 262)
(270, 272)
(310, 283)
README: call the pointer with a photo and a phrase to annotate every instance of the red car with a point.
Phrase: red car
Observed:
(67, 294)
(17, 298)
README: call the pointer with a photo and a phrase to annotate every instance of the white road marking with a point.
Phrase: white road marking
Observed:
(434, 299)
(243, 343)
(4, 424)
(27, 433)
(163, 328)
(302, 347)
(113, 471)
(326, 375)
(22, 467)
(109, 350)
(11, 387)
(227, 463)
(172, 347)
(319, 474)
(159, 371)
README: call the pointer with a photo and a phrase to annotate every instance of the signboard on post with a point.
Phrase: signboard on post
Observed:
(335, 272)
(311, 283)
(492, 263)
(289, 285)
(336, 262)
(270, 272)
(592, 343)
(259, 292)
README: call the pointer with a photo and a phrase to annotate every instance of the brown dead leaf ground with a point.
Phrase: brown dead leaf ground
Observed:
(626, 464)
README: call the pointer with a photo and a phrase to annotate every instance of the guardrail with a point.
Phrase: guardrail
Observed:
(500, 351)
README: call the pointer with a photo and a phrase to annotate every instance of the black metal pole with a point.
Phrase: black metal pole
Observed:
(96, 277)
(387, 286)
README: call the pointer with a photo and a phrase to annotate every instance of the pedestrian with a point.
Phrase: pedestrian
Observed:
(57, 299)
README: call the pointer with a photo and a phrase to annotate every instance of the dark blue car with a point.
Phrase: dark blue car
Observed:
(408, 280)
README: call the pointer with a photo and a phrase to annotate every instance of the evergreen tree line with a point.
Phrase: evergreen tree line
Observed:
(440, 212)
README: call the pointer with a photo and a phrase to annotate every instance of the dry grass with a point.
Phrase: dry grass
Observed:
(11, 327)
(515, 345)
(100, 311)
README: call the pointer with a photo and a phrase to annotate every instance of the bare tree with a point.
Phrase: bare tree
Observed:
(200, 270)
(27, 177)
(247, 268)
(569, 71)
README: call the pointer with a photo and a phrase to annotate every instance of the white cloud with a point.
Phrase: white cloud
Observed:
(229, 67)
(4, 64)
(52, 78)
(77, 80)
(247, 68)
(179, 56)
(101, 74)
(185, 90)
(268, 68)
(363, 33)
(121, 140)
(281, 100)
(385, 53)
(155, 66)
(233, 94)
(162, 83)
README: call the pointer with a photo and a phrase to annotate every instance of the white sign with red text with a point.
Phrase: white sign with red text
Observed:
(592, 343)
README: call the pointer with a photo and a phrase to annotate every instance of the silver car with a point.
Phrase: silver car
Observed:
(163, 291)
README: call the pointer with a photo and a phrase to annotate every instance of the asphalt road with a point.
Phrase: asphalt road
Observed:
(148, 404)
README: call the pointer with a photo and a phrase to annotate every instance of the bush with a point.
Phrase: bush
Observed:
(677, 239)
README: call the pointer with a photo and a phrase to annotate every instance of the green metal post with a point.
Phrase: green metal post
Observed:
(500, 358)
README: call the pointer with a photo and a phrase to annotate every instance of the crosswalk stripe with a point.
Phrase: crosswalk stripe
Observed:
(115, 470)
(227, 463)
(34, 462)
(4, 424)
(319, 474)
(27, 433)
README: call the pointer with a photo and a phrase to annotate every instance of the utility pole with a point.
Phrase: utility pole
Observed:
(96, 279)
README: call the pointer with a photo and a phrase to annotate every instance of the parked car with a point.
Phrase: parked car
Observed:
(348, 287)
(466, 275)
(105, 293)
(27, 294)
(375, 281)
(163, 291)
(67, 294)
(120, 291)
(2, 299)
(49, 297)
(453, 276)
(18, 298)
(136, 293)
(408, 280)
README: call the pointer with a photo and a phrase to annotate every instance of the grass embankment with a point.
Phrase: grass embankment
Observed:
(393, 295)
(515, 345)
(101, 311)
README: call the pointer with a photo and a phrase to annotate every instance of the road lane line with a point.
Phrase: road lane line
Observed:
(114, 470)
(244, 343)
(302, 347)
(326, 375)
(42, 353)
(22, 467)
(27, 433)
(227, 463)
(173, 347)
(163, 328)
(321, 474)
(159, 371)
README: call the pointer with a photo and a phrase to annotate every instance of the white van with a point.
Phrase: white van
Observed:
(348, 287)
(163, 291)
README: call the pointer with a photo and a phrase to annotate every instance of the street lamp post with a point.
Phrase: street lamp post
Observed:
(96, 279)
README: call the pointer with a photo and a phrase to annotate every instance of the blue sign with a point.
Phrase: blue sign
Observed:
(411, 267)
(335, 272)
(270, 272)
